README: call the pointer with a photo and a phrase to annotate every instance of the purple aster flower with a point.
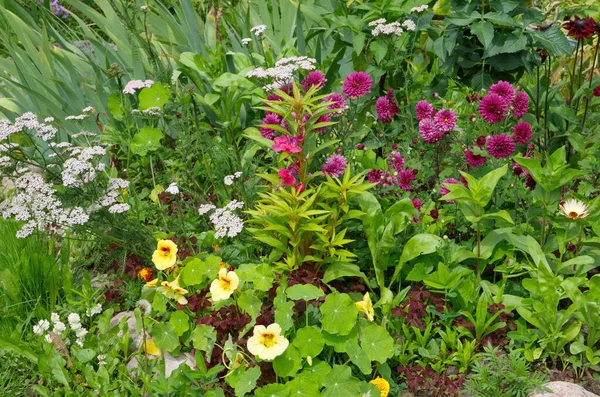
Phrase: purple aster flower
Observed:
(500, 146)
(430, 131)
(404, 178)
(474, 160)
(493, 108)
(314, 78)
(374, 176)
(357, 84)
(335, 165)
(274, 97)
(520, 105)
(386, 108)
(323, 119)
(445, 120)
(337, 100)
(57, 9)
(270, 118)
(503, 89)
(444, 189)
(521, 132)
(424, 110)
(395, 161)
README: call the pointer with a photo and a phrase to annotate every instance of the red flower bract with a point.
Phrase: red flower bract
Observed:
(580, 28)
(500, 146)
(357, 84)
(286, 144)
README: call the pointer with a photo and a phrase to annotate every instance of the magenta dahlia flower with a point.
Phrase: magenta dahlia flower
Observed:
(474, 160)
(424, 110)
(357, 84)
(500, 146)
(386, 109)
(430, 131)
(395, 161)
(374, 176)
(521, 132)
(404, 178)
(503, 89)
(444, 190)
(274, 97)
(520, 105)
(335, 165)
(445, 120)
(416, 202)
(314, 78)
(338, 102)
(270, 118)
(493, 108)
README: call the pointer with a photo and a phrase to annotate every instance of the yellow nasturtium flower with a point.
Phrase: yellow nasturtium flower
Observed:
(172, 290)
(267, 342)
(224, 285)
(366, 306)
(165, 255)
(151, 348)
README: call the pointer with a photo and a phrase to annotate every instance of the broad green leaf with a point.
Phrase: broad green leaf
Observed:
(283, 315)
(358, 356)
(180, 322)
(553, 40)
(305, 292)
(249, 303)
(309, 342)
(204, 337)
(198, 271)
(419, 245)
(54, 364)
(442, 7)
(315, 372)
(273, 390)
(84, 355)
(379, 49)
(339, 314)
(247, 381)
(165, 337)
(146, 140)
(506, 44)
(377, 343)
(157, 95)
(302, 387)
(340, 382)
(338, 341)
(262, 277)
(288, 363)
(484, 30)
(339, 270)
(115, 107)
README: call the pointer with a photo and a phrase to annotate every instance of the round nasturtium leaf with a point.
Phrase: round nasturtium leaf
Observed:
(377, 343)
(273, 390)
(305, 292)
(339, 314)
(309, 342)
(165, 337)
(180, 322)
(288, 363)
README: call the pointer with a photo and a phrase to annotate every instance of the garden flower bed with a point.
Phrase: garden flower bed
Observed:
(276, 198)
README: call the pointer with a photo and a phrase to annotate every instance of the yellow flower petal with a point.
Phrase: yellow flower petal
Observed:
(165, 255)
(382, 384)
(267, 343)
(151, 348)
(366, 306)
(224, 285)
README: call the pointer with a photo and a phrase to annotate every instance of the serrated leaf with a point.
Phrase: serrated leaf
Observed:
(484, 31)
(553, 40)
(379, 49)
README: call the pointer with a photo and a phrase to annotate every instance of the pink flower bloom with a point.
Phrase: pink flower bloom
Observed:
(374, 176)
(503, 89)
(286, 144)
(314, 78)
(286, 178)
(386, 108)
(520, 105)
(517, 169)
(500, 146)
(274, 97)
(335, 165)
(337, 101)
(323, 119)
(417, 203)
(404, 178)
(481, 141)
(444, 190)
(357, 84)
(300, 188)
(395, 161)
(493, 108)
(474, 160)
(424, 110)
(445, 120)
(521, 132)
(270, 118)
(430, 131)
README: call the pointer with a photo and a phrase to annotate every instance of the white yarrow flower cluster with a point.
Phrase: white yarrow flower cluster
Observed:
(381, 27)
(27, 121)
(227, 224)
(76, 117)
(419, 9)
(409, 25)
(172, 189)
(258, 29)
(283, 71)
(80, 170)
(134, 85)
(228, 180)
(75, 324)
(246, 40)
(109, 199)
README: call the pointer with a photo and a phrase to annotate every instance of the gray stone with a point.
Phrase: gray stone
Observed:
(563, 389)
(172, 363)
(133, 334)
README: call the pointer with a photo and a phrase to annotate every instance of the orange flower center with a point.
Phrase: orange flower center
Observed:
(573, 215)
